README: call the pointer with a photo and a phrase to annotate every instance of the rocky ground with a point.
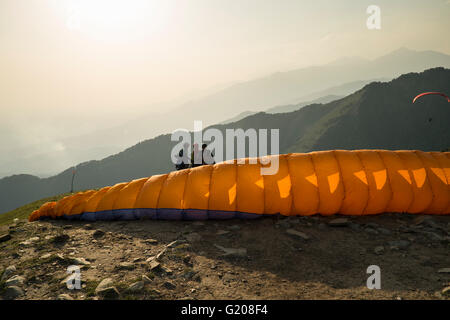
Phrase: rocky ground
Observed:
(269, 258)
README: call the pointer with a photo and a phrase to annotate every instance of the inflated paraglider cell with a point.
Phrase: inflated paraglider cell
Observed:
(361, 182)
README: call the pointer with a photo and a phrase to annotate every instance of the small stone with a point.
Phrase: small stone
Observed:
(98, 234)
(60, 257)
(193, 237)
(444, 270)
(384, 231)
(8, 272)
(15, 281)
(399, 244)
(151, 241)
(126, 266)
(234, 227)
(419, 220)
(169, 285)
(222, 232)
(293, 219)
(284, 223)
(240, 252)
(189, 274)
(198, 224)
(154, 265)
(339, 222)
(379, 250)
(88, 226)
(354, 226)
(64, 296)
(46, 256)
(434, 236)
(146, 279)
(296, 233)
(105, 283)
(28, 242)
(136, 287)
(61, 238)
(187, 260)
(67, 226)
(12, 293)
(5, 237)
(425, 220)
(80, 261)
(109, 293)
(138, 259)
(154, 292)
(446, 291)
(371, 231)
(166, 270)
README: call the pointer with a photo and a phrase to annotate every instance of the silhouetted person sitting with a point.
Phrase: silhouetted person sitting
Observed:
(199, 158)
(183, 161)
(208, 156)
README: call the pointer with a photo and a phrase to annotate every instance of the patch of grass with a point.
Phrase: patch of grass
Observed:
(187, 269)
(31, 264)
(182, 247)
(122, 286)
(91, 285)
(136, 279)
(11, 245)
(54, 285)
(152, 294)
(24, 211)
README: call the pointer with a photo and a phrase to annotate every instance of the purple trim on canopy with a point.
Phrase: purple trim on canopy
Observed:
(161, 214)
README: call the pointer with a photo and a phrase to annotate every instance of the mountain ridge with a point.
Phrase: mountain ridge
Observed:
(380, 115)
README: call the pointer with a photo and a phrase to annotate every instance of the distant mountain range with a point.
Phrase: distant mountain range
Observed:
(283, 108)
(295, 107)
(323, 96)
(286, 89)
(380, 115)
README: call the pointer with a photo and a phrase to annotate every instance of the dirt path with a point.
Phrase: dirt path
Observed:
(268, 258)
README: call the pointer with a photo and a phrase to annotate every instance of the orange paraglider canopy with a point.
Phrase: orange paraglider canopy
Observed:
(356, 182)
(428, 93)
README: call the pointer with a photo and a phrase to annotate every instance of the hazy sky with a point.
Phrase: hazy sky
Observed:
(62, 58)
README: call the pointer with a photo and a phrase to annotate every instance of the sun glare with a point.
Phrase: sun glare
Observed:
(116, 18)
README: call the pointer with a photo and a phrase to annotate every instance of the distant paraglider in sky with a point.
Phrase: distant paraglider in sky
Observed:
(431, 93)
